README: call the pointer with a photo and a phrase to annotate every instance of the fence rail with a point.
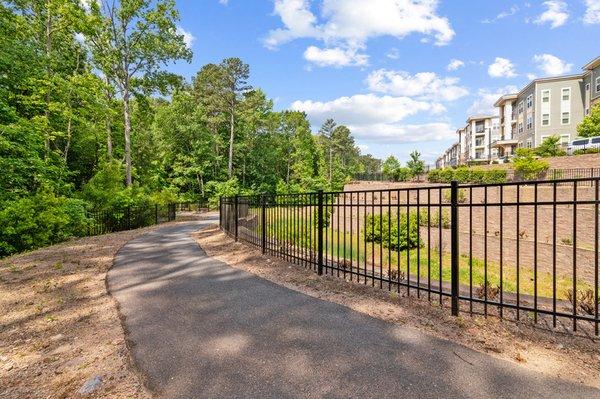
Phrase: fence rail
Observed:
(103, 222)
(515, 250)
(511, 175)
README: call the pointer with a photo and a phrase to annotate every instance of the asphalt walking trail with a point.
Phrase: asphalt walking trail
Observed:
(199, 328)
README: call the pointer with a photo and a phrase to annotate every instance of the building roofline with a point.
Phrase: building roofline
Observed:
(505, 97)
(592, 64)
(479, 117)
(552, 79)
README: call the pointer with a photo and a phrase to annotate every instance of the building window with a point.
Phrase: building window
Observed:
(598, 84)
(545, 119)
(529, 122)
(520, 127)
(566, 94)
(566, 118)
(587, 87)
(520, 110)
(528, 144)
(545, 96)
(565, 139)
(530, 101)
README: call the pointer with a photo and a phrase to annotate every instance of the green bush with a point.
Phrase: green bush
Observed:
(527, 166)
(398, 237)
(435, 219)
(587, 151)
(40, 220)
(468, 175)
(402, 174)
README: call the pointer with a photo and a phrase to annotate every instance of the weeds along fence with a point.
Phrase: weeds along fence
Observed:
(515, 250)
(103, 222)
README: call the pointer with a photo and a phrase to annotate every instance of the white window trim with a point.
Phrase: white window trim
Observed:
(529, 101)
(568, 136)
(562, 119)
(529, 122)
(542, 95)
(598, 84)
(542, 120)
(562, 93)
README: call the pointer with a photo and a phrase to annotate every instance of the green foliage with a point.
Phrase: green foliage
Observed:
(389, 167)
(467, 175)
(527, 166)
(39, 220)
(587, 151)
(590, 125)
(415, 164)
(215, 190)
(391, 234)
(550, 147)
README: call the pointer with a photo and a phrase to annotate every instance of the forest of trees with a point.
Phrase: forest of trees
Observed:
(90, 119)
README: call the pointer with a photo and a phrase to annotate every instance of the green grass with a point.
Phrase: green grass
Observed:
(286, 229)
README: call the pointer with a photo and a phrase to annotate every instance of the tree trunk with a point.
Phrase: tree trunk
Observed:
(68, 144)
(230, 165)
(48, 78)
(127, 117)
(109, 144)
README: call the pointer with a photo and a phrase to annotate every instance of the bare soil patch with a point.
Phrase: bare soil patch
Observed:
(59, 326)
(560, 355)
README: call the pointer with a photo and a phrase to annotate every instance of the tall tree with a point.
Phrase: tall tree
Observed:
(236, 75)
(131, 41)
(326, 134)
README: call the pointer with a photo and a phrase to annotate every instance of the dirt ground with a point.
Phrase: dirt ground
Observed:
(59, 326)
(555, 354)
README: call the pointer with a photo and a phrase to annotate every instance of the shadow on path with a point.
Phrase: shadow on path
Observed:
(201, 329)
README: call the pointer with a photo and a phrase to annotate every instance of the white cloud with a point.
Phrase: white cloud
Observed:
(365, 109)
(336, 57)
(484, 103)
(378, 118)
(551, 65)
(556, 14)
(398, 134)
(224, 2)
(504, 14)
(188, 38)
(455, 64)
(422, 85)
(592, 12)
(531, 76)
(502, 68)
(349, 24)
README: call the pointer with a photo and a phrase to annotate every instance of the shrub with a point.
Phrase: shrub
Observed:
(550, 147)
(527, 166)
(435, 219)
(468, 175)
(40, 220)
(398, 237)
(402, 174)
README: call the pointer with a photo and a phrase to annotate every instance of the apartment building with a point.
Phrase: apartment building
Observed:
(506, 143)
(591, 83)
(545, 107)
(450, 158)
(548, 107)
(479, 134)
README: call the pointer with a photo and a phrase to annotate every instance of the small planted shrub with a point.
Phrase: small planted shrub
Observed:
(385, 230)
(397, 275)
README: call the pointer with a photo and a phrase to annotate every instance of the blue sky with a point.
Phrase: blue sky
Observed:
(402, 74)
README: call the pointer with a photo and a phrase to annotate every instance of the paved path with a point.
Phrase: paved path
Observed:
(201, 329)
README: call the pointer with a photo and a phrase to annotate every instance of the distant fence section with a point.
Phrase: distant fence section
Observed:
(103, 222)
(511, 175)
(515, 250)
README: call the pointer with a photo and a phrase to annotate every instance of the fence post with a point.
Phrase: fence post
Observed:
(221, 212)
(320, 233)
(235, 216)
(454, 238)
(263, 221)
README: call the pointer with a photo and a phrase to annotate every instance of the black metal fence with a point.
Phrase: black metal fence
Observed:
(103, 222)
(511, 175)
(515, 250)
